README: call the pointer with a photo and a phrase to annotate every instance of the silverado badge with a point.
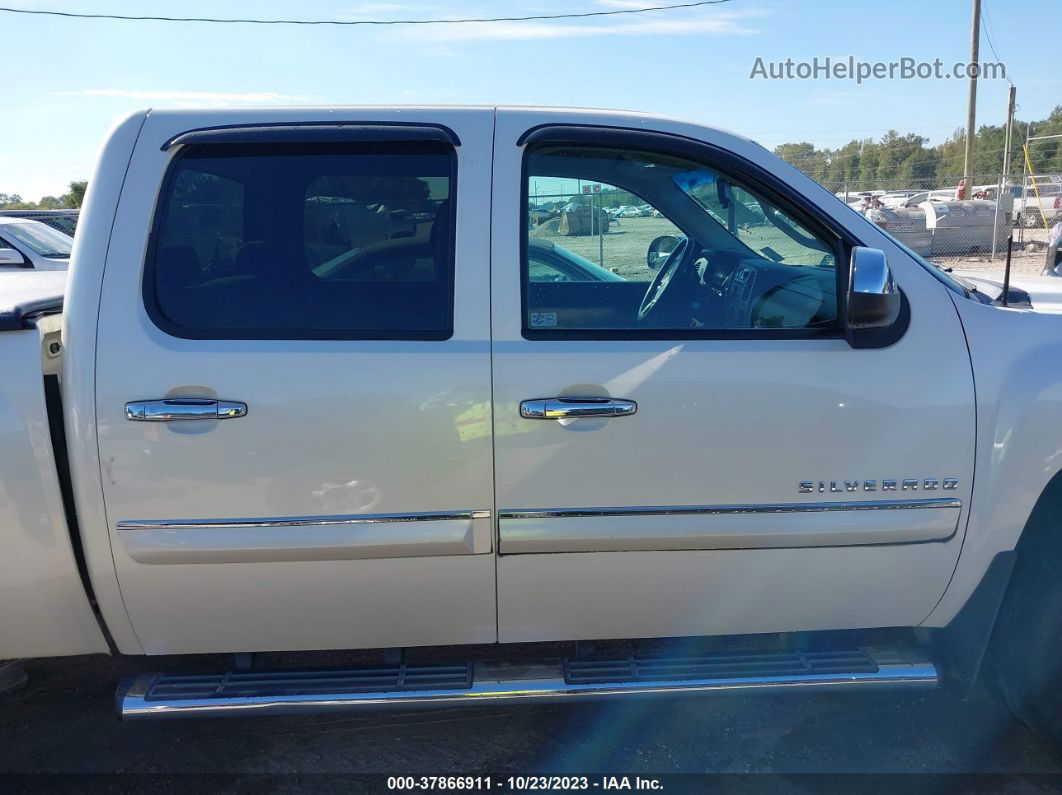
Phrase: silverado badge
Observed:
(904, 484)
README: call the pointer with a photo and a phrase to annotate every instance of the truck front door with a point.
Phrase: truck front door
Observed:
(293, 382)
(695, 448)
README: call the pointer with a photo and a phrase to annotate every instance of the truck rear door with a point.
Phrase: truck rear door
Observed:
(694, 448)
(293, 381)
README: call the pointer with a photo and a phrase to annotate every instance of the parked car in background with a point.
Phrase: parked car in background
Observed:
(642, 211)
(63, 220)
(857, 198)
(32, 244)
(945, 195)
(896, 198)
(549, 262)
(906, 224)
(1039, 205)
(944, 228)
(991, 191)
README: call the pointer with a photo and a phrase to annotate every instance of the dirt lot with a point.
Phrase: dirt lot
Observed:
(1024, 264)
(623, 247)
(63, 723)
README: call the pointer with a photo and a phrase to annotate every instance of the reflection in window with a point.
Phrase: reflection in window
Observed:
(318, 241)
(685, 248)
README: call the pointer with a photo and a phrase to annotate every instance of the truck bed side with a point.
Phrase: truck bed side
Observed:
(44, 609)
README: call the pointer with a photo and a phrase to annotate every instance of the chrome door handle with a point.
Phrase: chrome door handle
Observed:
(566, 408)
(173, 409)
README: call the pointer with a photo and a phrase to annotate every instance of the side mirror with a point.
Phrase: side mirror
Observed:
(659, 250)
(9, 256)
(873, 297)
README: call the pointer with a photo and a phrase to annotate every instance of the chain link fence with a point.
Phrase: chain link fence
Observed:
(969, 233)
(616, 231)
(611, 228)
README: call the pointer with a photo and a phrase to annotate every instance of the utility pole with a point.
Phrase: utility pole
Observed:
(971, 112)
(1024, 183)
(1008, 139)
(1004, 188)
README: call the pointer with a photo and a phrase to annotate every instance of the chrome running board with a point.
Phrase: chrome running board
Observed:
(287, 692)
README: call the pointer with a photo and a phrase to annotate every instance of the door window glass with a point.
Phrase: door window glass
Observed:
(306, 242)
(694, 249)
(597, 222)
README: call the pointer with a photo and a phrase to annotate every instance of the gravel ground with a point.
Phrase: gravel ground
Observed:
(1025, 263)
(63, 723)
(1027, 257)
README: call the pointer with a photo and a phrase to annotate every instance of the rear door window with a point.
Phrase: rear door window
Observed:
(321, 241)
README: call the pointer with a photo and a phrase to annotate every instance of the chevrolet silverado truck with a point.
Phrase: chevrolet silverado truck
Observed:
(316, 391)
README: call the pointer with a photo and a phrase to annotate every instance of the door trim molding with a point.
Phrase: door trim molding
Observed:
(302, 538)
(297, 521)
(719, 527)
(681, 510)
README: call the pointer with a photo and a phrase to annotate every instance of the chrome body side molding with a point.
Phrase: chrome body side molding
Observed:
(298, 521)
(703, 527)
(679, 510)
(301, 538)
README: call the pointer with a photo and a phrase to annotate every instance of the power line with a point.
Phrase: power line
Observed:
(991, 46)
(249, 21)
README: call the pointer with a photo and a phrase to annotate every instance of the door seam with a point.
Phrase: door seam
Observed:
(495, 524)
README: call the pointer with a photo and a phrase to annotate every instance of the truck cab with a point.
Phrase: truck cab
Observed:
(388, 456)
(315, 396)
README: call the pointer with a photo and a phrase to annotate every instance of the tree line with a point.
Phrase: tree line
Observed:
(905, 161)
(891, 163)
(71, 200)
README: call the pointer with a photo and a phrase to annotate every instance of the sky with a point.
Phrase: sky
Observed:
(66, 80)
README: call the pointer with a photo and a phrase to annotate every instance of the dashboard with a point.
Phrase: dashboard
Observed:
(759, 293)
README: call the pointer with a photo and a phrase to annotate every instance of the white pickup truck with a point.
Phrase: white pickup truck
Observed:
(316, 385)
(1039, 205)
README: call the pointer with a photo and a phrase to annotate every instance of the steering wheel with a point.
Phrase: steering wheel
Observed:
(648, 309)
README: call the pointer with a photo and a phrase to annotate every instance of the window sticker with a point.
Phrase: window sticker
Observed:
(543, 319)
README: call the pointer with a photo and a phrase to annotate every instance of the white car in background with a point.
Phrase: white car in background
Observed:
(31, 244)
(943, 195)
(896, 198)
(855, 198)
